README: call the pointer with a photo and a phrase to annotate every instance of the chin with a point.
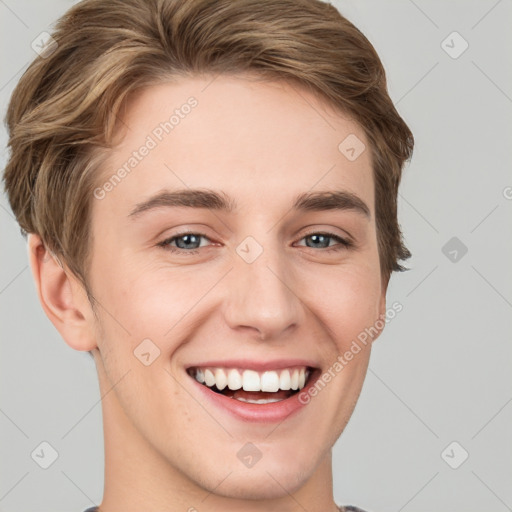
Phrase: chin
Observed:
(270, 481)
(261, 487)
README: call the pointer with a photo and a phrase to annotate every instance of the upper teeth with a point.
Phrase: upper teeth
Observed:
(250, 380)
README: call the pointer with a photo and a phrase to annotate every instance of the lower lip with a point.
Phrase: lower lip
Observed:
(257, 413)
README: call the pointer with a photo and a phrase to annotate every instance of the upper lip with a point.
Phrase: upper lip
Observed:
(259, 366)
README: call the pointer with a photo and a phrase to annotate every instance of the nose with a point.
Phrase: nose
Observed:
(262, 297)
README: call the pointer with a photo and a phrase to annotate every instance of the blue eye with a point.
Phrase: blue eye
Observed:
(322, 237)
(183, 242)
(189, 242)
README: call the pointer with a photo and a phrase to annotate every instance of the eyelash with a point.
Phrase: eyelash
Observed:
(342, 245)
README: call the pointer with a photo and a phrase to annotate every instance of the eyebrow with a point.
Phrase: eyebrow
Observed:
(220, 201)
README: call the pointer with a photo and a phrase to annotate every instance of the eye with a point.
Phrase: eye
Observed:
(189, 243)
(185, 242)
(321, 240)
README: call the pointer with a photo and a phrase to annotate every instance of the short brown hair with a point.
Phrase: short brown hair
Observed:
(64, 109)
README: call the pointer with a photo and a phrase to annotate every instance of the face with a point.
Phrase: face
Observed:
(263, 276)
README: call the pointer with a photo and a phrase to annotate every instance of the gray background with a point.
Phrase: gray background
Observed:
(441, 370)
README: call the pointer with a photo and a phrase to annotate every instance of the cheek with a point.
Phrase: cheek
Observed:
(145, 302)
(346, 301)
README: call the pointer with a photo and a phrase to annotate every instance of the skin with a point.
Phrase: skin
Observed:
(166, 448)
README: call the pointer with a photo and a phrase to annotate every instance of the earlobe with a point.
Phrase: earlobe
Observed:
(62, 297)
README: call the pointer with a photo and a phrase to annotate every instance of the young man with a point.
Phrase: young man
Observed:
(209, 190)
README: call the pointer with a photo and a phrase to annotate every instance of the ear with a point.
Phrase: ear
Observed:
(62, 297)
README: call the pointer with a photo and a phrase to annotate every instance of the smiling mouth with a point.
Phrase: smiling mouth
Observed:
(251, 386)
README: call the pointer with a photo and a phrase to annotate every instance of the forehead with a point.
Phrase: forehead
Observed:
(262, 142)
